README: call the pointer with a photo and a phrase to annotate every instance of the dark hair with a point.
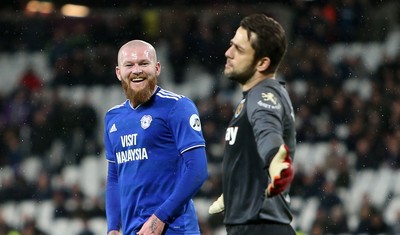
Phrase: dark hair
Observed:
(270, 40)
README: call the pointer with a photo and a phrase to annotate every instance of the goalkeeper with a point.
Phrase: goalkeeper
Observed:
(260, 139)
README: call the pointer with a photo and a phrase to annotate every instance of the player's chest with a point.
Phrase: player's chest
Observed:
(138, 129)
(239, 126)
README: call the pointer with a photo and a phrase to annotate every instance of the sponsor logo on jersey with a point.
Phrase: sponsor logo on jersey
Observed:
(146, 121)
(113, 128)
(195, 122)
(128, 140)
(239, 108)
(231, 134)
(130, 154)
(269, 101)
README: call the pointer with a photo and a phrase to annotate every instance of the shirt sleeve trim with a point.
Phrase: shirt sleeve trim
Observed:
(192, 147)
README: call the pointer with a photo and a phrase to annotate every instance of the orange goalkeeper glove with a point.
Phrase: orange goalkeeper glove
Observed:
(217, 206)
(281, 172)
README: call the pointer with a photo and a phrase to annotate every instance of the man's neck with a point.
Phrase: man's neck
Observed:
(257, 78)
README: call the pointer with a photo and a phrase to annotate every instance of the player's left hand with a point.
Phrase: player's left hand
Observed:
(280, 171)
(153, 226)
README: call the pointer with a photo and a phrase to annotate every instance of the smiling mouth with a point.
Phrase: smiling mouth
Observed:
(137, 79)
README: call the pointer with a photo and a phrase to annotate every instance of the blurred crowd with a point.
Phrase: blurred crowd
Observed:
(345, 104)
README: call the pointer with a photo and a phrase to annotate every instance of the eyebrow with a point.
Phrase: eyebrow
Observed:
(138, 61)
(237, 46)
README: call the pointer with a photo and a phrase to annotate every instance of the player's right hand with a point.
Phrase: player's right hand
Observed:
(217, 206)
(114, 232)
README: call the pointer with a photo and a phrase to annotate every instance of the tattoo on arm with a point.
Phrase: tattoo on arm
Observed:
(153, 225)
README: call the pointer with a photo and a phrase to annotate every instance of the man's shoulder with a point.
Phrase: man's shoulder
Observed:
(266, 95)
(267, 85)
(167, 95)
(169, 98)
(116, 109)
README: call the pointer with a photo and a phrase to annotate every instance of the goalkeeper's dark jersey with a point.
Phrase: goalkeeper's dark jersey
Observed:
(263, 120)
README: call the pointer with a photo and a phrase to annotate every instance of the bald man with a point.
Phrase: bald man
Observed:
(155, 151)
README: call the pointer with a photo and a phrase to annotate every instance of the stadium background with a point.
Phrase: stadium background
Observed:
(57, 80)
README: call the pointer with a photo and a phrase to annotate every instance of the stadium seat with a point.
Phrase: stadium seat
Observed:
(76, 225)
(372, 55)
(359, 188)
(360, 86)
(319, 154)
(30, 168)
(45, 212)
(382, 184)
(61, 226)
(396, 182)
(96, 96)
(103, 166)
(299, 87)
(392, 211)
(70, 175)
(89, 176)
(9, 213)
(391, 46)
(297, 204)
(6, 175)
(301, 157)
(98, 225)
(307, 215)
(202, 205)
(77, 94)
(27, 210)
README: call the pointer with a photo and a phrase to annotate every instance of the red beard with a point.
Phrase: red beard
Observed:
(139, 96)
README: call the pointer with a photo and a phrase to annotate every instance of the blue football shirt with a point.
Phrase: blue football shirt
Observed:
(147, 143)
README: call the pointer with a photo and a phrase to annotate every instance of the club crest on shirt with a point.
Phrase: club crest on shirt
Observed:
(146, 121)
(269, 101)
(269, 97)
(239, 108)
